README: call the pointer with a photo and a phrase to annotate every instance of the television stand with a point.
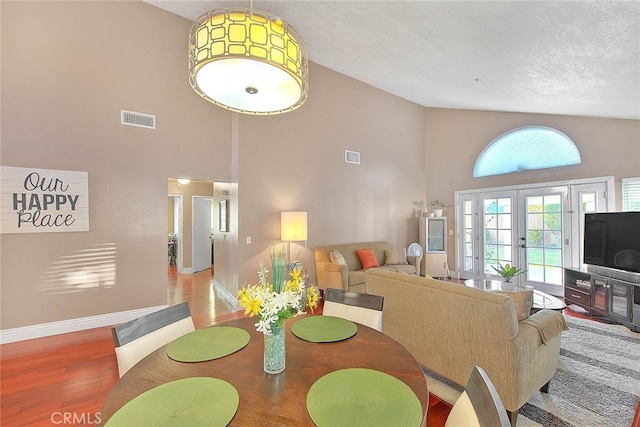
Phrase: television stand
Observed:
(608, 297)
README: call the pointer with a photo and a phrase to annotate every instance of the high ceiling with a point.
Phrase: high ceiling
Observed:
(555, 57)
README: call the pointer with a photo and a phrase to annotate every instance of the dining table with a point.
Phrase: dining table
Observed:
(280, 399)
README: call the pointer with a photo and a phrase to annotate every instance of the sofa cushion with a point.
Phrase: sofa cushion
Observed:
(367, 258)
(395, 256)
(337, 257)
(523, 301)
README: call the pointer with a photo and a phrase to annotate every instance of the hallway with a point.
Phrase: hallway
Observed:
(208, 303)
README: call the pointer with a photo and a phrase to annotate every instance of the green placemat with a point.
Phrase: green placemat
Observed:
(362, 397)
(187, 402)
(324, 329)
(207, 344)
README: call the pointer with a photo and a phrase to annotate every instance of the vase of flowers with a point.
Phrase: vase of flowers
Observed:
(274, 350)
(273, 308)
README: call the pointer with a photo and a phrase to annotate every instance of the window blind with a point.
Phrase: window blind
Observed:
(631, 194)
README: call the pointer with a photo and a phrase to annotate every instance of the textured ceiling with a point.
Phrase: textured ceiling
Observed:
(555, 57)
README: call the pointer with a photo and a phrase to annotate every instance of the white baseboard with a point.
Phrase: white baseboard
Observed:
(226, 295)
(72, 325)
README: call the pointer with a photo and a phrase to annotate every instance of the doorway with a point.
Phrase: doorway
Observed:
(189, 226)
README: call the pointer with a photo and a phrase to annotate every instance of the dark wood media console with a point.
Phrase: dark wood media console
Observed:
(610, 297)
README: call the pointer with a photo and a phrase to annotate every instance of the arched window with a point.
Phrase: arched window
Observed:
(526, 148)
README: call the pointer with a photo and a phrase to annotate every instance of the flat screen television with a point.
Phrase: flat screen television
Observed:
(612, 240)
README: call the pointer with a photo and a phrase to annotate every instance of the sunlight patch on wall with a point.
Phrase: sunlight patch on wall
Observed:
(81, 270)
(526, 148)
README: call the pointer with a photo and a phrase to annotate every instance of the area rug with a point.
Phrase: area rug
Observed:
(597, 382)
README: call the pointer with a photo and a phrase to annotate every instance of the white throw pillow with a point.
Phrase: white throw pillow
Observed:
(337, 257)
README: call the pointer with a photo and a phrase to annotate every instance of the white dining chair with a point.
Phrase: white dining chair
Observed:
(479, 405)
(137, 338)
(358, 307)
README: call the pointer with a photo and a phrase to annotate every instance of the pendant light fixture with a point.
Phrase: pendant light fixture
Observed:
(248, 61)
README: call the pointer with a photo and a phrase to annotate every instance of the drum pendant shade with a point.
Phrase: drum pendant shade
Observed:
(248, 61)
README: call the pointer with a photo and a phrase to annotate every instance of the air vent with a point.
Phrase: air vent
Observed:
(352, 157)
(132, 118)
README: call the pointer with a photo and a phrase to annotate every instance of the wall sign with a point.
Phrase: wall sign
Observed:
(43, 200)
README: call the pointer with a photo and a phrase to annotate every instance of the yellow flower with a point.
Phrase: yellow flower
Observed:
(312, 298)
(294, 283)
(249, 302)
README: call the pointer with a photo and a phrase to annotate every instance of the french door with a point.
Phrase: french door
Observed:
(543, 246)
(537, 229)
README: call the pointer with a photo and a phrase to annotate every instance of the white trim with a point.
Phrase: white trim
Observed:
(72, 325)
(606, 179)
(187, 270)
(226, 295)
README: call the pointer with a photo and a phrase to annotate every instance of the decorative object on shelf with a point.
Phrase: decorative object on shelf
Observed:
(439, 205)
(248, 61)
(274, 307)
(508, 272)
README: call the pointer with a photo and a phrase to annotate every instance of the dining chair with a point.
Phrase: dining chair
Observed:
(355, 306)
(139, 337)
(479, 405)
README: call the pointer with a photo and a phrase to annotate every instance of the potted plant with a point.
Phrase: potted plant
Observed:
(508, 272)
(439, 205)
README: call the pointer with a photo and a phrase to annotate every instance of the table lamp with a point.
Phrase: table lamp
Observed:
(293, 228)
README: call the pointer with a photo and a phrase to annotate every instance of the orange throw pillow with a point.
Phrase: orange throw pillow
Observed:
(367, 258)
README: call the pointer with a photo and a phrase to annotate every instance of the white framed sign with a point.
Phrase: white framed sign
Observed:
(43, 200)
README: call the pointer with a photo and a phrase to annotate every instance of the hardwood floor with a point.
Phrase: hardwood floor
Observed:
(63, 379)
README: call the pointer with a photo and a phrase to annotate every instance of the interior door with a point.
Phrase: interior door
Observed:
(201, 253)
(541, 237)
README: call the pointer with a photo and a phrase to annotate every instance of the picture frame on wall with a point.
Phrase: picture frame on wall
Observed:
(223, 216)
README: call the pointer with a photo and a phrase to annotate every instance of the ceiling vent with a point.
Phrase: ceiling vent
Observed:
(352, 157)
(132, 118)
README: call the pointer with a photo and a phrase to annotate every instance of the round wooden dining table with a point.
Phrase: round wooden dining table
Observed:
(275, 400)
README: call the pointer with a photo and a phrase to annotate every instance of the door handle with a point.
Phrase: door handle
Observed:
(523, 246)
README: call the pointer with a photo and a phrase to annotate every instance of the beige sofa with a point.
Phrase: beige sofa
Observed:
(352, 277)
(450, 328)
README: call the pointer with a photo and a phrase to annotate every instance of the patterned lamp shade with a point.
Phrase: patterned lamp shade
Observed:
(248, 61)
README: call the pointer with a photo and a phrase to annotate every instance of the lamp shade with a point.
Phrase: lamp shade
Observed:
(293, 226)
(248, 61)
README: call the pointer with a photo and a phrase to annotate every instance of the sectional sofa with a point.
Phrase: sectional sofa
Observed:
(350, 275)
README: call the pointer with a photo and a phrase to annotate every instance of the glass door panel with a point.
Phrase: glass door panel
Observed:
(542, 238)
(467, 236)
(497, 229)
(621, 299)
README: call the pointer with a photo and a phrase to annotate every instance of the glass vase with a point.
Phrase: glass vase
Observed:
(274, 350)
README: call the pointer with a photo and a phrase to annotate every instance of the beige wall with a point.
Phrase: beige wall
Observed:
(68, 68)
(455, 139)
(296, 162)
(95, 58)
